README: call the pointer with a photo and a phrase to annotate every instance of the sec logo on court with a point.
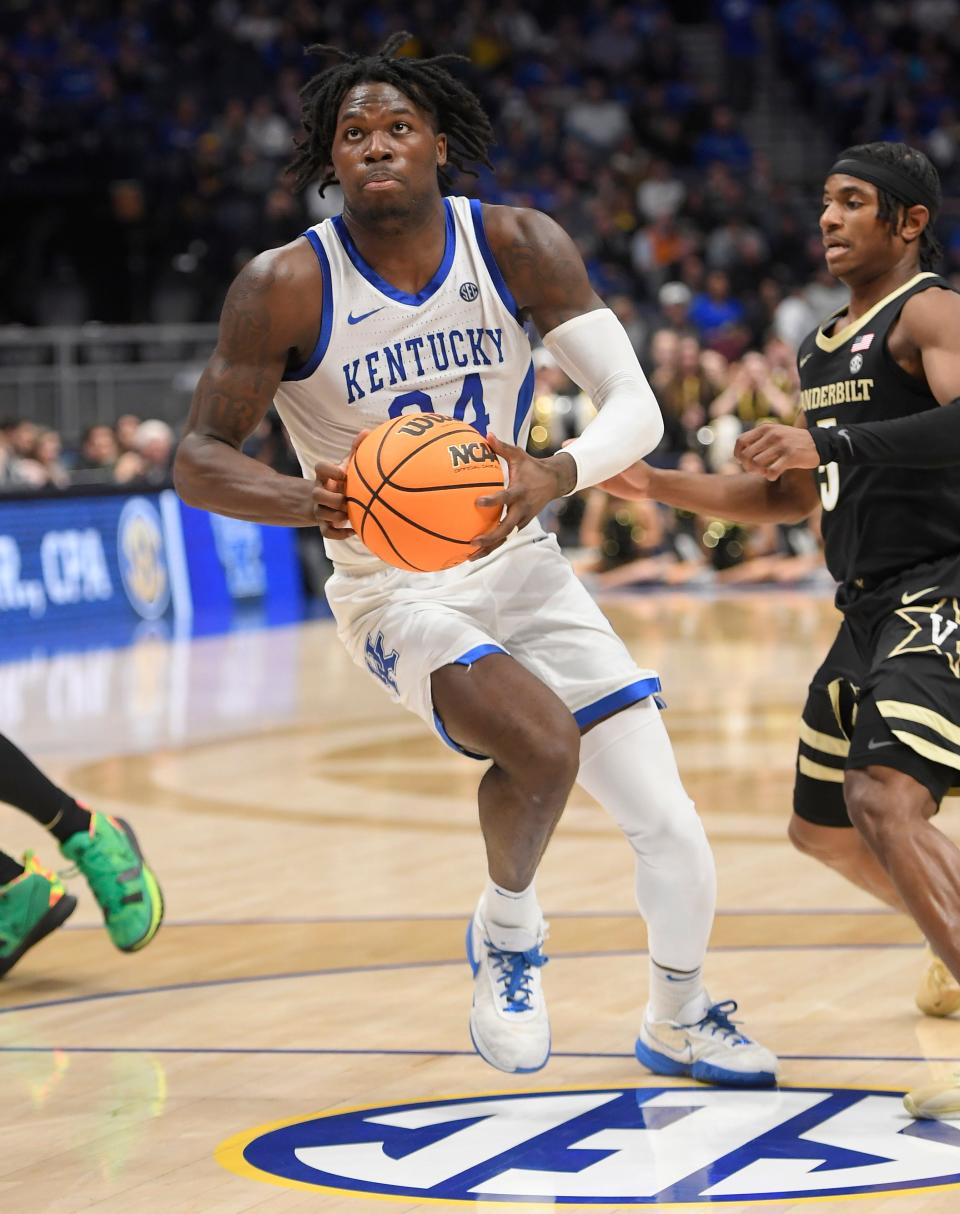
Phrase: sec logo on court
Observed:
(610, 1146)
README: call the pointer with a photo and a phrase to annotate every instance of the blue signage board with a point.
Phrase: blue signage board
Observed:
(87, 570)
(240, 573)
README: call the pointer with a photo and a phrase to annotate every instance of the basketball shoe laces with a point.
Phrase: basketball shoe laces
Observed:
(514, 972)
(717, 1020)
(101, 865)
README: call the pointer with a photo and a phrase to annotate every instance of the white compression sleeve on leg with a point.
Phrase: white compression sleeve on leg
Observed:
(627, 764)
(595, 351)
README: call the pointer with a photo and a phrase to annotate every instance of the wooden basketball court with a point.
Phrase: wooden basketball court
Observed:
(319, 855)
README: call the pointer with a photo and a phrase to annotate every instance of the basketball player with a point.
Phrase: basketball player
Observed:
(878, 450)
(33, 901)
(412, 301)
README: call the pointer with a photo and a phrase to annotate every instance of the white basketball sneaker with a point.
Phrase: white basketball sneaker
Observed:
(938, 992)
(508, 1020)
(713, 1050)
(936, 1101)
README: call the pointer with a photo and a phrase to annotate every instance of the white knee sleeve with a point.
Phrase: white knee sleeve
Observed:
(627, 764)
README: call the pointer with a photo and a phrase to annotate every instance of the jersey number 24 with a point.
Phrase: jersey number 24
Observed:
(471, 397)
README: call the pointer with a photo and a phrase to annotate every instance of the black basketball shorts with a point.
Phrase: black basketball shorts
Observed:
(887, 694)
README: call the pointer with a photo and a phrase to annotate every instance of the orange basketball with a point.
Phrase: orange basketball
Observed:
(412, 490)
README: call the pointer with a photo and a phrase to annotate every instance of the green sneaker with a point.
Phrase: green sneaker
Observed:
(31, 906)
(109, 857)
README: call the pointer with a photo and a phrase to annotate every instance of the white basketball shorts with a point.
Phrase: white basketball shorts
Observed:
(523, 600)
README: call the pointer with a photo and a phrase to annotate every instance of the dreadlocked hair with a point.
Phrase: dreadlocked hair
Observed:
(453, 108)
(915, 165)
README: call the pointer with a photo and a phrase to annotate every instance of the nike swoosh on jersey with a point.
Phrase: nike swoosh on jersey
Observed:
(806, 358)
(873, 744)
(355, 320)
(906, 598)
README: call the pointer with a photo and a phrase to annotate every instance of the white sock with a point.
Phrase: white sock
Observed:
(627, 764)
(676, 995)
(512, 917)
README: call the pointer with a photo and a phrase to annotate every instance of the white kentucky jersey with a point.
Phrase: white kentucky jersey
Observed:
(455, 347)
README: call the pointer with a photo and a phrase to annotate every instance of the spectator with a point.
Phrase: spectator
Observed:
(99, 452)
(661, 192)
(47, 455)
(714, 313)
(627, 312)
(268, 134)
(794, 316)
(723, 143)
(674, 299)
(125, 431)
(22, 437)
(685, 395)
(657, 249)
(753, 394)
(152, 455)
(596, 118)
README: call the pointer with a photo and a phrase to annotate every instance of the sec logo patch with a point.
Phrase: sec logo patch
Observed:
(610, 1146)
(142, 556)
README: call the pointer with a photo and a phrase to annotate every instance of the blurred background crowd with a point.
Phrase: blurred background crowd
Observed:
(682, 145)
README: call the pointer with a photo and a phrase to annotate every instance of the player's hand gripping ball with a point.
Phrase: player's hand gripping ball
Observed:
(412, 487)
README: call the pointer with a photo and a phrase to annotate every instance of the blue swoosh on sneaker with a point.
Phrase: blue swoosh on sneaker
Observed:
(355, 320)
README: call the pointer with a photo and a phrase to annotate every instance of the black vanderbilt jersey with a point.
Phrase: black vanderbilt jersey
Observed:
(876, 521)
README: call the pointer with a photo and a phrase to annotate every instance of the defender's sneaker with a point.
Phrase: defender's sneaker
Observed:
(31, 906)
(713, 1050)
(109, 857)
(508, 1020)
(936, 1101)
(938, 992)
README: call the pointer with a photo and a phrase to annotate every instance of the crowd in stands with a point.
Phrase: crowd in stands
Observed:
(131, 451)
(144, 143)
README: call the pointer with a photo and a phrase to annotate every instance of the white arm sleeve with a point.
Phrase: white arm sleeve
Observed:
(595, 351)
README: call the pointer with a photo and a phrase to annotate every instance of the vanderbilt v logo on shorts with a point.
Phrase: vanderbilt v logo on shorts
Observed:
(934, 628)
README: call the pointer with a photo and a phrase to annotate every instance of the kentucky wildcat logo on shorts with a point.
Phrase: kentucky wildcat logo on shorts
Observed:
(379, 663)
(620, 1146)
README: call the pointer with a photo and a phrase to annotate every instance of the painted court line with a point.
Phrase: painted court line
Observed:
(397, 966)
(294, 920)
(330, 1052)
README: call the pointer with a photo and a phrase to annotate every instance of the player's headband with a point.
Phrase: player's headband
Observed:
(887, 177)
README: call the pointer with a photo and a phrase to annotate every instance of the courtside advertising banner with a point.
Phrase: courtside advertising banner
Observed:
(80, 570)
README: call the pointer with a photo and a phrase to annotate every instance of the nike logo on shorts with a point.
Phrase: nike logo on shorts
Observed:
(355, 320)
(906, 598)
(873, 744)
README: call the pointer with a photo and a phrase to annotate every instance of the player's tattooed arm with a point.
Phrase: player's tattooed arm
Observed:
(541, 265)
(266, 322)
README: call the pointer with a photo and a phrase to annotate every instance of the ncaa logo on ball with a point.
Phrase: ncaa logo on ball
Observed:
(470, 453)
(611, 1147)
(143, 559)
(856, 363)
(469, 291)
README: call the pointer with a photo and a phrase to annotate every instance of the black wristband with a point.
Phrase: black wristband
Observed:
(822, 437)
(930, 439)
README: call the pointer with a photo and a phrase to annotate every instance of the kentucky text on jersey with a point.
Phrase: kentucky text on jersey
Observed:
(392, 365)
(846, 392)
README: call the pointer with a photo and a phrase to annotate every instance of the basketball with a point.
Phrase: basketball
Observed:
(412, 489)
